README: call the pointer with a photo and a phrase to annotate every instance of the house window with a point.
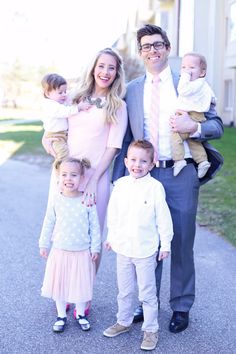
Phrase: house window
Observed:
(228, 96)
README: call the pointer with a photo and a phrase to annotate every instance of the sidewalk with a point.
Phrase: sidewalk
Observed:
(27, 318)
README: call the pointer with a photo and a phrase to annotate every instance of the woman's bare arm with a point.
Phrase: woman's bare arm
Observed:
(91, 188)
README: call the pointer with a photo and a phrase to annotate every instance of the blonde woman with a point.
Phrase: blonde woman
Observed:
(97, 133)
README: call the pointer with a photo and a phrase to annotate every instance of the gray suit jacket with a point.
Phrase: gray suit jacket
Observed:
(212, 128)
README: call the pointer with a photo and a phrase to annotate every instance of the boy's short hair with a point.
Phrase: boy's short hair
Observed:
(202, 59)
(143, 144)
(52, 82)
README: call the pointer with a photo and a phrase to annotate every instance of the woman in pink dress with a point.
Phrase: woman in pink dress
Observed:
(97, 133)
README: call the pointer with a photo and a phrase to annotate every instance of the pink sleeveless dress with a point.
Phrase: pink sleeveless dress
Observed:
(88, 136)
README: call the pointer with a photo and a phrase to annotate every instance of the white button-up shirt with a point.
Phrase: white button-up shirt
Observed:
(167, 108)
(138, 217)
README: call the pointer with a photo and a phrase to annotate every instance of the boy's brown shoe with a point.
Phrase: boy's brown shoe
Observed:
(115, 330)
(150, 340)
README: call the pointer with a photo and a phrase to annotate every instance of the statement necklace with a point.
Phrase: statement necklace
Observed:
(98, 102)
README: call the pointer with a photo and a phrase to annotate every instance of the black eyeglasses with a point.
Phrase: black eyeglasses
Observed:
(148, 46)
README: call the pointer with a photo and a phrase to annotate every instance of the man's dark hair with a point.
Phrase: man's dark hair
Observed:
(148, 30)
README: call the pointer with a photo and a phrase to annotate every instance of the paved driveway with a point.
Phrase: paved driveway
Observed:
(26, 318)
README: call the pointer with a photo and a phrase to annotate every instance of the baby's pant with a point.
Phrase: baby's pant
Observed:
(196, 148)
(60, 146)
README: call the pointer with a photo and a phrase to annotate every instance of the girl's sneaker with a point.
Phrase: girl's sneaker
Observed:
(59, 325)
(83, 323)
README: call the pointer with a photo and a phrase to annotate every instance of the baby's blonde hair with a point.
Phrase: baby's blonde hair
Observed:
(83, 163)
(202, 59)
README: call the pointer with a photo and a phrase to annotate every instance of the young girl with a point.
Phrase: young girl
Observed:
(70, 268)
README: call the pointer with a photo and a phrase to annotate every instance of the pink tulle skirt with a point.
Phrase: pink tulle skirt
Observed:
(69, 276)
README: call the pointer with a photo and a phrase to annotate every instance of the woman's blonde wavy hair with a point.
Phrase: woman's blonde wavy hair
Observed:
(116, 91)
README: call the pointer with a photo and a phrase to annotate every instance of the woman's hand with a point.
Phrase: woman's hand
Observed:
(47, 143)
(90, 192)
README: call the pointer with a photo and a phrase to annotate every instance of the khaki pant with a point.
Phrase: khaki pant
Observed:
(196, 148)
(60, 146)
(142, 270)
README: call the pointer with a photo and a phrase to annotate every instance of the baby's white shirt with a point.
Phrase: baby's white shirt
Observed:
(194, 95)
(55, 115)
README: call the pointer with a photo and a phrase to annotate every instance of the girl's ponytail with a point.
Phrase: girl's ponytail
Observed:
(84, 163)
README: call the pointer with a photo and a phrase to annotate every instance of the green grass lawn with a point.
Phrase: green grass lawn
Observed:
(217, 204)
(22, 139)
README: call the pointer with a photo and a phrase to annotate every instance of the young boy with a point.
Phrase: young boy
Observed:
(56, 112)
(138, 221)
(194, 96)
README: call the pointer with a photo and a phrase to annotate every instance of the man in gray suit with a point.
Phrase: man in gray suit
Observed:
(181, 191)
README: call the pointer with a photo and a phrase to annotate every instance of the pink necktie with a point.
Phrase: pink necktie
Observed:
(154, 114)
